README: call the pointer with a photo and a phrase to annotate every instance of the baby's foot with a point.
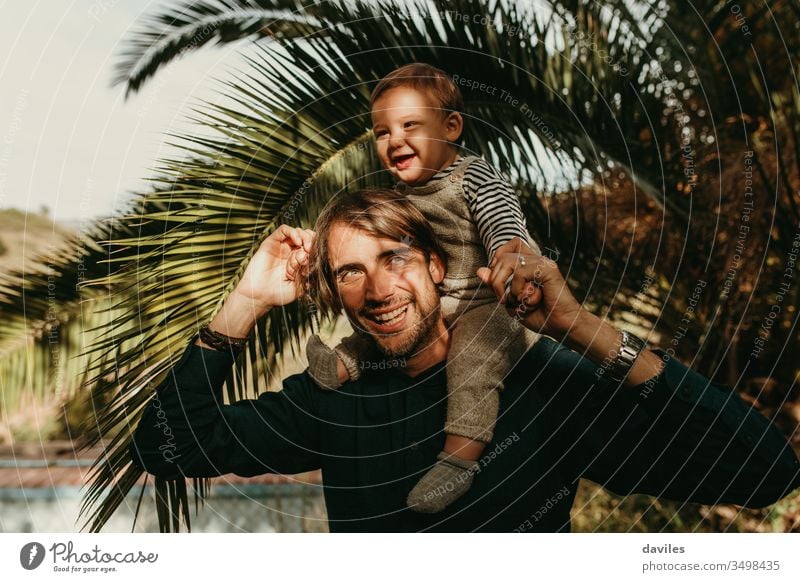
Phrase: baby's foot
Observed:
(322, 363)
(446, 481)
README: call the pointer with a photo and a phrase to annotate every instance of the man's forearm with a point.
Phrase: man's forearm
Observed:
(600, 342)
(687, 438)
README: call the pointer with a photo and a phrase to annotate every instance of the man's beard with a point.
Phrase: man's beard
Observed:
(421, 334)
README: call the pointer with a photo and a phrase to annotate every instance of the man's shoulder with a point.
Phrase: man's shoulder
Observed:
(301, 389)
(539, 390)
(326, 404)
(524, 372)
(548, 363)
(372, 380)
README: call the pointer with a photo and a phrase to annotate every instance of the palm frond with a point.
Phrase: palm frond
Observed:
(170, 34)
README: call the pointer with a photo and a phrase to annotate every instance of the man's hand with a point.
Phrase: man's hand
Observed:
(272, 278)
(273, 274)
(538, 296)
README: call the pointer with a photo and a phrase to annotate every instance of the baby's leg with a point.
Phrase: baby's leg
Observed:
(486, 343)
(483, 348)
(331, 367)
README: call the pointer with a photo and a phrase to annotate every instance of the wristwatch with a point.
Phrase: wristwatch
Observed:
(629, 350)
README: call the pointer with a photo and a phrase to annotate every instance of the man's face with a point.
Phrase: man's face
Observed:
(414, 138)
(388, 289)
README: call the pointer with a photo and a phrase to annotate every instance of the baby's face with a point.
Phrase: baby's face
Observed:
(414, 137)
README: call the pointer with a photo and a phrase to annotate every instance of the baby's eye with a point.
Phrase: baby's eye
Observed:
(408, 124)
(380, 133)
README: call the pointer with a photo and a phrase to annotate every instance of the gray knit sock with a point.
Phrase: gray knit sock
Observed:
(322, 363)
(350, 350)
(446, 481)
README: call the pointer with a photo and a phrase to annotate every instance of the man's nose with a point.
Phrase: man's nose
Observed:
(379, 287)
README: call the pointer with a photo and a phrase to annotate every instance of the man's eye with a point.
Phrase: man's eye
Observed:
(348, 276)
(398, 260)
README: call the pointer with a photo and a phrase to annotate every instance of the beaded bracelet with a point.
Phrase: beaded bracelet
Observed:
(220, 341)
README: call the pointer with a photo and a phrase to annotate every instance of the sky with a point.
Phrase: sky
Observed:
(68, 139)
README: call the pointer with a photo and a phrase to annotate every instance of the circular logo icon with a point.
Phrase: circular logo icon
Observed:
(31, 555)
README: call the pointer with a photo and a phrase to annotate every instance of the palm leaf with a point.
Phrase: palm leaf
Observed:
(169, 34)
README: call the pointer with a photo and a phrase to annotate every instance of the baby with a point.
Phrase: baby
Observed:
(417, 124)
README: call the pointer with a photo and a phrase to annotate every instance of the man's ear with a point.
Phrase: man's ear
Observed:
(454, 125)
(436, 268)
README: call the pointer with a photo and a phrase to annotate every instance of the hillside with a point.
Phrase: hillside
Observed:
(23, 235)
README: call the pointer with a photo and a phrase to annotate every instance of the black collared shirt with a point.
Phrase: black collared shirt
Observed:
(678, 436)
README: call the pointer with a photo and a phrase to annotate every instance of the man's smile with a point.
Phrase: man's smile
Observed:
(388, 320)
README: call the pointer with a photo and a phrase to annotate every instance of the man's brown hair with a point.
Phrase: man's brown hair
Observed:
(427, 79)
(380, 212)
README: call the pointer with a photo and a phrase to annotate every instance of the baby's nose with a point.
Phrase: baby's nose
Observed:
(396, 139)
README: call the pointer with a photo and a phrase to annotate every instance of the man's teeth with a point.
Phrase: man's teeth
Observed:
(392, 314)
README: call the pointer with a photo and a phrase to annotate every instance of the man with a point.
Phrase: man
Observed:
(660, 428)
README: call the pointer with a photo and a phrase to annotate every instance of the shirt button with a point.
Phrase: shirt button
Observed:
(686, 391)
(453, 179)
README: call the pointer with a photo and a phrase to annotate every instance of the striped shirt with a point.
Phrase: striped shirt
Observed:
(493, 203)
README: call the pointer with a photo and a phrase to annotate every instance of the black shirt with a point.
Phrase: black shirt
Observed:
(678, 436)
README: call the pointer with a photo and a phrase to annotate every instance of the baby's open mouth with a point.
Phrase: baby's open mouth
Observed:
(403, 162)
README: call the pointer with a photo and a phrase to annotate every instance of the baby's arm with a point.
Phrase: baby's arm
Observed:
(495, 207)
